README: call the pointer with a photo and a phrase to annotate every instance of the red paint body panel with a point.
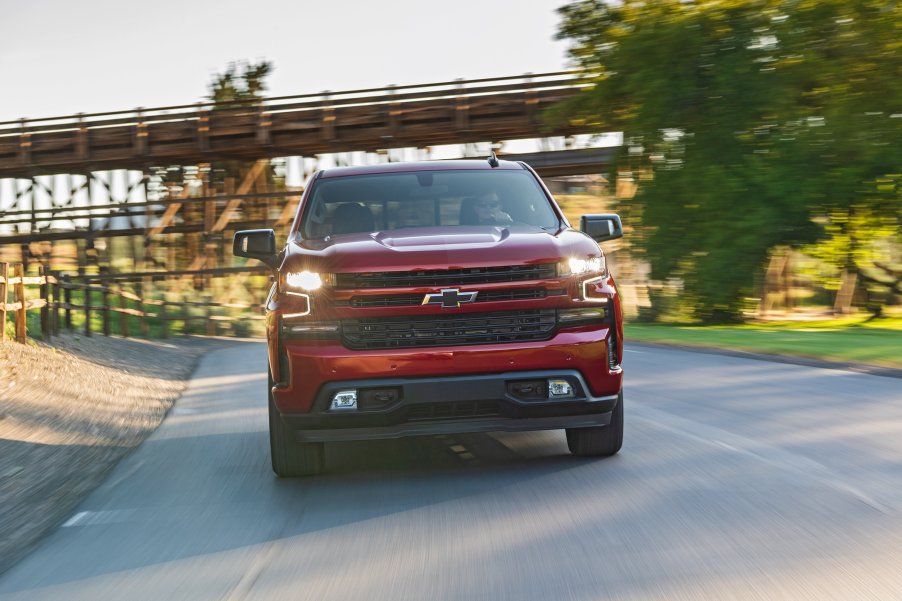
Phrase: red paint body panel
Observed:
(436, 248)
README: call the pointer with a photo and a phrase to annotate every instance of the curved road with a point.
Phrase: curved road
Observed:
(739, 479)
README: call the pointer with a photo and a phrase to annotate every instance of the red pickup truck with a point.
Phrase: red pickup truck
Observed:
(438, 297)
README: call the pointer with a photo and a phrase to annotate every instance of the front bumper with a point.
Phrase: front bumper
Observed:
(452, 404)
(310, 366)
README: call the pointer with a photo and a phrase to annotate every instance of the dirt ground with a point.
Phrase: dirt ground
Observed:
(69, 412)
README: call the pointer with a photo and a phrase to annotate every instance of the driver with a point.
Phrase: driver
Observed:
(488, 210)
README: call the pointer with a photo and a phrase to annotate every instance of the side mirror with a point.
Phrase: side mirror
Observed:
(256, 244)
(602, 227)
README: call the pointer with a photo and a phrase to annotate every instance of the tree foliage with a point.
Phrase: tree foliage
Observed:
(766, 122)
(241, 85)
(240, 81)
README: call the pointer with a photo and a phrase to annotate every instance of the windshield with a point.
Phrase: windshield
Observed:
(390, 201)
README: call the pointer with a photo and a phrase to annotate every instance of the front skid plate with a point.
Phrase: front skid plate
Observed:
(455, 427)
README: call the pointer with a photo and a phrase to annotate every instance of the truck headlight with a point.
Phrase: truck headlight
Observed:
(582, 266)
(305, 280)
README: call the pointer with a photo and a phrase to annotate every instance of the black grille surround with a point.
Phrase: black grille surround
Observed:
(448, 330)
(446, 277)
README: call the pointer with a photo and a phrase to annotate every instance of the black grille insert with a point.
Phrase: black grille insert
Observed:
(409, 300)
(446, 277)
(448, 330)
(456, 410)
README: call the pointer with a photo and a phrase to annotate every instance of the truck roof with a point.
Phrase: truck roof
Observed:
(419, 166)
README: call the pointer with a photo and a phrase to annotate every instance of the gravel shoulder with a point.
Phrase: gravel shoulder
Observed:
(69, 412)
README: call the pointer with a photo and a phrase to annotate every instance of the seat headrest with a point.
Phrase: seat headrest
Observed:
(351, 217)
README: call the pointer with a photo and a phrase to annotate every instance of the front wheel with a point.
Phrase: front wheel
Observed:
(291, 458)
(599, 442)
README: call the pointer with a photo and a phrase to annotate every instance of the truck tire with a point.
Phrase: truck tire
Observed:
(291, 458)
(598, 442)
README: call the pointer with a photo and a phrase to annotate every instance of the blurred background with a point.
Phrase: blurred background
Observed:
(753, 148)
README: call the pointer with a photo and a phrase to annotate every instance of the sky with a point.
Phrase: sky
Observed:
(59, 57)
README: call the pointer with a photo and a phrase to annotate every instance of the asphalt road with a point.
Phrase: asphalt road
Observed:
(738, 479)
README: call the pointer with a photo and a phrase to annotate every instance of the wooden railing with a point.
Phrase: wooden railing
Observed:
(17, 283)
(447, 112)
(108, 301)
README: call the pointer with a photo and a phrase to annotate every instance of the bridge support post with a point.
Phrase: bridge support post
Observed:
(81, 139)
(264, 125)
(24, 144)
(203, 128)
(141, 145)
(328, 124)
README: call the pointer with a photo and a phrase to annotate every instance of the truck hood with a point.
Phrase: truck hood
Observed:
(437, 248)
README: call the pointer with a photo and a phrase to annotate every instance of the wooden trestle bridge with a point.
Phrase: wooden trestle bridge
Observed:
(87, 177)
(454, 112)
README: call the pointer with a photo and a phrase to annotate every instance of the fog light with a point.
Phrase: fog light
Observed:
(344, 400)
(559, 389)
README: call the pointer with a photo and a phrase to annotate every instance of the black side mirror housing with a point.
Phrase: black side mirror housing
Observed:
(256, 244)
(602, 228)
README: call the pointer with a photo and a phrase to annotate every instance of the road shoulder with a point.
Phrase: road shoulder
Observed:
(874, 370)
(69, 412)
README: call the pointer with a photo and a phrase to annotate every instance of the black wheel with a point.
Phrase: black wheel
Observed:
(291, 458)
(599, 442)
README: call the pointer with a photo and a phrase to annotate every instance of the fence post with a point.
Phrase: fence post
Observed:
(143, 309)
(87, 288)
(55, 314)
(67, 297)
(44, 292)
(105, 297)
(123, 316)
(186, 330)
(4, 293)
(211, 325)
(164, 319)
(21, 327)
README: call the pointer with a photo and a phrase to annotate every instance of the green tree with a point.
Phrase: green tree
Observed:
(760, 120)
(241, 86)
(240, 81)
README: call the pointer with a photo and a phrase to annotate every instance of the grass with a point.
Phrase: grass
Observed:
(854, 340)
(176, 327)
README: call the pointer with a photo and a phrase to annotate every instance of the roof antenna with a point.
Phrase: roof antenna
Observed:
(493, 160)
